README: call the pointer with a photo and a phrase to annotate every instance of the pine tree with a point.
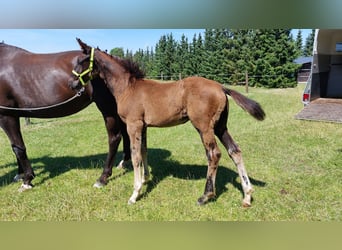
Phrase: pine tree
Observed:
(308, 47)
(196, 55)
(160, 68)
(274, 51)
(299, 43)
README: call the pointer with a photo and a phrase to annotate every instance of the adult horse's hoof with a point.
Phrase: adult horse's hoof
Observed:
(98, 184)
(123, 164)
(25, 187)
(18, 177)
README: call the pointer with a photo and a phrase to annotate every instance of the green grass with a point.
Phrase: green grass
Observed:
(295, 167)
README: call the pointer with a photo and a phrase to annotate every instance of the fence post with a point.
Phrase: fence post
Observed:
(246, 81)
(180, 76)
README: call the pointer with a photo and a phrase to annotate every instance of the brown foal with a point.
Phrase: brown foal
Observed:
(146, 103)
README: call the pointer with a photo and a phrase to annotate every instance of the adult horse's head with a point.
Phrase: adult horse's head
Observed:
(97, 63)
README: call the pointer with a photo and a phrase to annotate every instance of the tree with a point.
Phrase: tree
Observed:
(299, 43)
(117, 52)
(225, 55)
(182, 60)
(308, 47)
(196, 55)
(274, 51)
(212, 65)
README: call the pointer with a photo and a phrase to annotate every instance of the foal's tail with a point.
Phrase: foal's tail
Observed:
(252, 107)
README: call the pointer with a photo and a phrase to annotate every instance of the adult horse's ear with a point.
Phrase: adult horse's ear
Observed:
(84, 47)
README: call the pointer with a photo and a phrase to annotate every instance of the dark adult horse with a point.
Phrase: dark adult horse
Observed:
(36, 85)
(145, 103)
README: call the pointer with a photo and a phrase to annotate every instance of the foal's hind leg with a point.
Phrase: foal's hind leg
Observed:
(213, 155)
(236, 155)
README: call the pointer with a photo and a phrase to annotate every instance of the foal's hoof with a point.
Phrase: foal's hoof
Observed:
(25, 187)
(205, 198)
(246, 203)
(202, 200)
(131, 202)
(18, 177)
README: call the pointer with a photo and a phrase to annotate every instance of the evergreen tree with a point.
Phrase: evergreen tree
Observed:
(182, 60)
(212, 65)
(274, 51)
(160, 68)
(238, 57)
(225, 55)
(308, 47)
(196, 55)
(299, 43)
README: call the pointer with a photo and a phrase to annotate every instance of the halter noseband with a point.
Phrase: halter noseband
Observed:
(87, 71)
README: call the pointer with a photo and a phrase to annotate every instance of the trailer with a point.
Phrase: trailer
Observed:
(322, 96)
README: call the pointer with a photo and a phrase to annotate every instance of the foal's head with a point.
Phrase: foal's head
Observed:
(96, 63)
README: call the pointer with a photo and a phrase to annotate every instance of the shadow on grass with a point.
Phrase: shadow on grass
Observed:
(162, 167)
(55, 166)
(158, 160)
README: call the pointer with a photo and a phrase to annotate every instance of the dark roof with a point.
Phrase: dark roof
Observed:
(303, 59)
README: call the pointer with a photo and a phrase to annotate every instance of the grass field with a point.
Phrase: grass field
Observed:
(295, 167)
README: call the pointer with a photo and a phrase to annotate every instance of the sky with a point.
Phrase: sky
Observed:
(56, 40)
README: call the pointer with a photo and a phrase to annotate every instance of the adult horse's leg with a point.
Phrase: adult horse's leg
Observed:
(236, 155)
(135, 132)
(114, 138)
(106, 103)
(126, 146)
(213, 155)
(11, 126)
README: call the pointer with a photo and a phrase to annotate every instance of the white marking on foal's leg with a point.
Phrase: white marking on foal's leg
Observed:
(138, 182)
(136, 191)
(245, 182)
(246, 185)
(24, 187)
(133, 198)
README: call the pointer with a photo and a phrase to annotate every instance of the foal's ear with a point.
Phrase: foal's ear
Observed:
(81, 59)
(84, 47)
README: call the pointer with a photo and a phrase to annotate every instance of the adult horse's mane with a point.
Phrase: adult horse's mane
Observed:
(129, 65)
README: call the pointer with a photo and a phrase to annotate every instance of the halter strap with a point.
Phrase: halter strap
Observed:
(88, 70)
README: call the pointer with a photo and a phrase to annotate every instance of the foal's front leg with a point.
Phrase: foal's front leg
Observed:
(146, 172)
(135, 132)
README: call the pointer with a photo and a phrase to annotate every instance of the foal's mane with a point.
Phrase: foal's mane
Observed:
(129, 65)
